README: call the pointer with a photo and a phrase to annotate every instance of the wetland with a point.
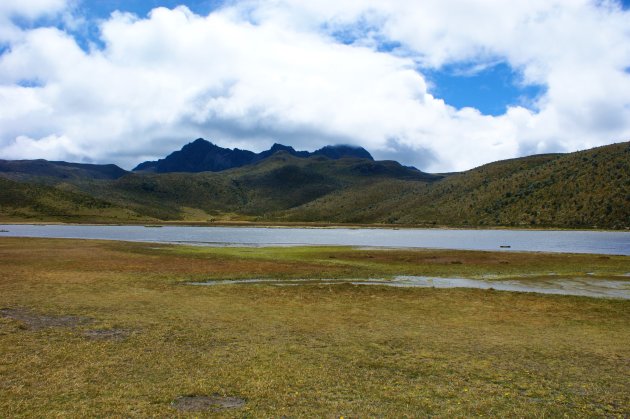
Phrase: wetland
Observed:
(109, 328)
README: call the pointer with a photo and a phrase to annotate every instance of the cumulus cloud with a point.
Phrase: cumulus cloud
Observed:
(253, 73)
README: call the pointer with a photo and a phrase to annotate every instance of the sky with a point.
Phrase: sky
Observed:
(443, 85)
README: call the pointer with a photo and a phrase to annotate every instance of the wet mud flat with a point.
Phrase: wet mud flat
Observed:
(31, 320)
(213, 403)
(585, 287)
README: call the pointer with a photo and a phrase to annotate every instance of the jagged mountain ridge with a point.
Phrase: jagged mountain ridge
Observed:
(204, 156)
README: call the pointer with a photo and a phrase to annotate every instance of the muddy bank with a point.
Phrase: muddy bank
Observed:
(35, 321)
(214, 403)
(586, 287)
(29, 320)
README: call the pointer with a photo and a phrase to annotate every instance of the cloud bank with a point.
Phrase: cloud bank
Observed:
(308, 74)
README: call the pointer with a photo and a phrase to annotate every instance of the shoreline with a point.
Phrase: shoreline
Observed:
(307, 225)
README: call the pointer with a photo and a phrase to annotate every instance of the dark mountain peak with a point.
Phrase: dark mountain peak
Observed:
(198, 143)
(280, 147)
(201, 156)
(343, 151)
(197, 146)
(276, 148)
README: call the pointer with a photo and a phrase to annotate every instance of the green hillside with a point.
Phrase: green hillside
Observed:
(577, 190)
(584, 189)
(34, 202)
(587, 189)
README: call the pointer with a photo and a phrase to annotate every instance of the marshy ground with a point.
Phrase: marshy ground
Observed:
(93, 328)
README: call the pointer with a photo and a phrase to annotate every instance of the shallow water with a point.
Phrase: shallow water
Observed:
(601, 242)
(586, 287)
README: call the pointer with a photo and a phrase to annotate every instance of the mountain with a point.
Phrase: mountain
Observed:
(200, 156)
(203, 156)
(585, 189)
(20, 169)
(261, 189)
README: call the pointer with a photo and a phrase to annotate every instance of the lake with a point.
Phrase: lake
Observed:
(601, 242)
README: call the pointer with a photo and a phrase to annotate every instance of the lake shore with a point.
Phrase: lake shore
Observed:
(314, 225)
(105, 328)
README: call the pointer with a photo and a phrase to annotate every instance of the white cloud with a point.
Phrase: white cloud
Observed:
(31, 9)
(258, 72)
(25, 9)
(53, 147)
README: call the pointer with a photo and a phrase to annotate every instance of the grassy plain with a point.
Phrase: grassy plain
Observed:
(94, 328)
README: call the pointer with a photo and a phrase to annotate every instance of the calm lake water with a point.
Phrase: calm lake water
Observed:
(612, 243)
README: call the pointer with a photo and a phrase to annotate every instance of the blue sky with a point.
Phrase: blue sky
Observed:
(439, 84)
(103, 8)
(490, 90)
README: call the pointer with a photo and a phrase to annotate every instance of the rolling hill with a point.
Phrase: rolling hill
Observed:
(32, 169)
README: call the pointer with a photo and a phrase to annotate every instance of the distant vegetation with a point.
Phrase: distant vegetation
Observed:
(586, 189)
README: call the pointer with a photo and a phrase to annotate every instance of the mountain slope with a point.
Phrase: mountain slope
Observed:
(584, 189)
(270, 186)
(21, 201)
(28, 169)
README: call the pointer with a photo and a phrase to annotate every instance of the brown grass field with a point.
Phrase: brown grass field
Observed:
(96, 329)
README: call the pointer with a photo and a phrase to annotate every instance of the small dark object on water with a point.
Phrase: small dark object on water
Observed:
(153, 226)
(505, 246)
(214, 403)
(4, 231)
